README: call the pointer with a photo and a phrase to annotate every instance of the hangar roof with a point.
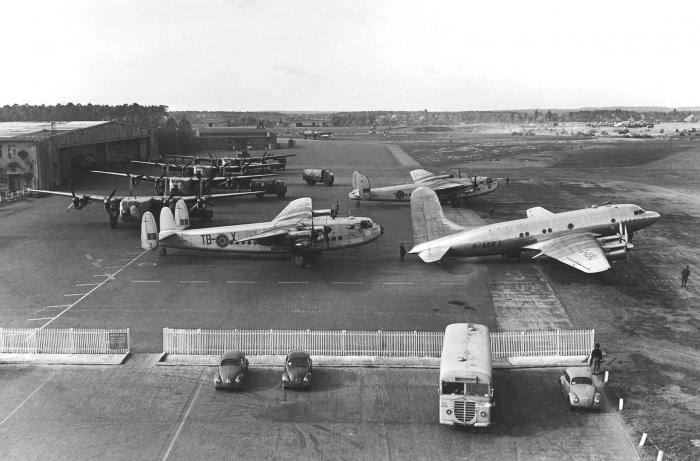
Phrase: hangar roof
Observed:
(233, 132)
(29, 131)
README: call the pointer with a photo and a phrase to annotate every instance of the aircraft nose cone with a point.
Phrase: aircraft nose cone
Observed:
(653, 216)
(354, 194)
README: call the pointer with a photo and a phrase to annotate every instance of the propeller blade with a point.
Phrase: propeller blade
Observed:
(70, 205)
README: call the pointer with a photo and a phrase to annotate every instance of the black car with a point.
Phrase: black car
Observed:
(297, 370)
(233, 367)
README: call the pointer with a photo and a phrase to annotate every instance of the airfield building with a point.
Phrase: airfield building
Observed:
(231, 138)
(46, 154)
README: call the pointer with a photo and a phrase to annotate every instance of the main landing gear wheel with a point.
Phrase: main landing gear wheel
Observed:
(357, 203)
(163, 251)
(300, 260)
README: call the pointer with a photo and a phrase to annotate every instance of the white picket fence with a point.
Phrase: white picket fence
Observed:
(369, 343)
(15, 195)
(64, 341)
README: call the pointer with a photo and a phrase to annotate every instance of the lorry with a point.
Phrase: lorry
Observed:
(268, 186)
(314, 175)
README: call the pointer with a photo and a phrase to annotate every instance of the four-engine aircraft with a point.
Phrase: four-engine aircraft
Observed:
(132, 207)
(584, 239)
(298, 230)
(448, 187)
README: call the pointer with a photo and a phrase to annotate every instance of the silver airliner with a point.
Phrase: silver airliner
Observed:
(585, 239)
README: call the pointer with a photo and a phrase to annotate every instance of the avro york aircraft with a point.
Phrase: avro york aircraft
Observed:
(449, 188)
(132, 207)
(584, 239)
(297, 230)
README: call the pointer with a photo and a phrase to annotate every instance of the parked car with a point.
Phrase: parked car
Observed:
(579, 389)
(233, 367)
(297, 370)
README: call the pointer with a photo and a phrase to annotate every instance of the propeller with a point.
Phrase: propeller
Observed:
(108, 199)
(625, 238)
(77, 202)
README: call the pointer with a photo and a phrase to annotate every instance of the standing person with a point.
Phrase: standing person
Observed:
(595, 359)
(402, 251)
(685, 273)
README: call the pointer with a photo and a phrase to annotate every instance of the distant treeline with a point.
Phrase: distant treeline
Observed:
(148, 116)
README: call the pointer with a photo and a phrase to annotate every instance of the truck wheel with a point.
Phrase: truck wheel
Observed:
(281, 194)
(299, 260)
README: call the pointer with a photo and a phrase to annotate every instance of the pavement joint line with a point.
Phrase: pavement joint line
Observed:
(103, 275)
(25, 401)
(451, 283)
(76, 294)
(57, 305)
(240, 281)
(193, 398)
(145, 281)
(194, 281)
(291, 283)
(348, 283)
(86, 284)
(397, 283)
(112, 267)
(40, 318)
(109, 277)
(120, 260)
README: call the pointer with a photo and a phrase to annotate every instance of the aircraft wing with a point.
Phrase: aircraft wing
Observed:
(580, 251)
(440, 183)
(296, 209)
(161, 164)
(538, 211)
(231, 194)
(77, 194)
(128, 175)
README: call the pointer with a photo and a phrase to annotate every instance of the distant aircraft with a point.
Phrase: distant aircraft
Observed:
(132, 207)
(243, 162)
(584, 239)
(317, 134)
(449, 188)
(299, 230)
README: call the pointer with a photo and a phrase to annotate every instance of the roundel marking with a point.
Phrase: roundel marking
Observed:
(222, 240)
(367, 233)
(400, 194)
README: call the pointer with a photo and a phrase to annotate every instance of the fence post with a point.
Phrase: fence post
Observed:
(72, 341)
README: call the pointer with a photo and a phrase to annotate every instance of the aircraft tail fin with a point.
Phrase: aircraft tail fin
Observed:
(149, 232)
(360, 183)
(167, 223)
(182, 216)
(429, 222)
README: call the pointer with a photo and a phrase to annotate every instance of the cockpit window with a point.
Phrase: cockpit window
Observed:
(639, 211)
(365, 225)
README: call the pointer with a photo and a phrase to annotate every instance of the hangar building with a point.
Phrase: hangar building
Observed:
(228, 138)
(45, 154)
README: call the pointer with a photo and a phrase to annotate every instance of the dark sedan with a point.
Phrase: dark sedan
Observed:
(297, 370)
(232, 369)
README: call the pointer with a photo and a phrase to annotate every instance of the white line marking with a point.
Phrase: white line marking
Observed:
(348, 283)
(57, 305)
(133, 253)
(112, 267)
(40, 318)
(184, 417)
(86, 284)
(24, 401)
(145, 281)
(103, 275)
(109, 277)
(237, 281)
(291, 283)
(451, 283)
(119, 260)
(398, 283)
(76, 294)
(194, 281)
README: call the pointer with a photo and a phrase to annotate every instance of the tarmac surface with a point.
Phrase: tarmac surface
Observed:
(71, 270)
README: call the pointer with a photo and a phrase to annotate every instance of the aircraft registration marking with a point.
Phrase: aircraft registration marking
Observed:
(486, 245)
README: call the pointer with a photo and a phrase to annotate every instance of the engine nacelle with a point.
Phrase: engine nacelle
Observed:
(300, 239)
(616, 254)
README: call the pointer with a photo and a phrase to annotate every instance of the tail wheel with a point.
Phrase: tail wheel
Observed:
(300, 260)
(163, 251)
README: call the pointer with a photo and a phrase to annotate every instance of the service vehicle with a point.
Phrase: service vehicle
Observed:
(268, 186)
(233, 367)
(465, 389)
(314, 175)
(297, 370)
(578, 388)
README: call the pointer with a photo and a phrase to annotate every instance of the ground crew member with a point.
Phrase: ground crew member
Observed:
(595, 359)
(685, 273)
(402, 251)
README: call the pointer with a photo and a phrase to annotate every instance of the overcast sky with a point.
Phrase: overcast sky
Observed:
(351, 55)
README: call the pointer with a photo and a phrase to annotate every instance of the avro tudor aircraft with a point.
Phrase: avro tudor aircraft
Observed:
(299, 230)
(449, 188)
(584, 239)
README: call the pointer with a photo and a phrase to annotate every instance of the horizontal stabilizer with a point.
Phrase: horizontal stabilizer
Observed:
(432, 253)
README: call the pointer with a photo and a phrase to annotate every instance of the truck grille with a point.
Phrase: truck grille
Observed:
(464, 411)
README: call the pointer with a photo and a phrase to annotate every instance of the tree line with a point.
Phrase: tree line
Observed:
(136, 114)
